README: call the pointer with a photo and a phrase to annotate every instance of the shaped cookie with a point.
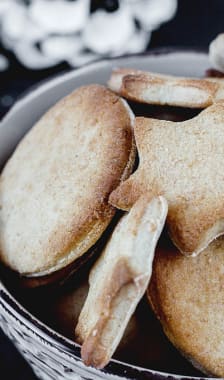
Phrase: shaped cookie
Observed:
(153, 88)
(187, 297)
(54, 189)
(119, 279)
(182, 161)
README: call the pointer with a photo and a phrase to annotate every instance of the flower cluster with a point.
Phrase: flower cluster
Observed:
(42, 33)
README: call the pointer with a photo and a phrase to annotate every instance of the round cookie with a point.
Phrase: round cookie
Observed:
(54, 189)
(187, 295)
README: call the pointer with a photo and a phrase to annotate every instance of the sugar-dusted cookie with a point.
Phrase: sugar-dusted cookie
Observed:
(54, 189)
(154, 88)
(183, 161)
(119, 279)
(187, 297)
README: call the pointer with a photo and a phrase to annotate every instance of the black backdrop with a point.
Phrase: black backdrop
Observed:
(196, 23)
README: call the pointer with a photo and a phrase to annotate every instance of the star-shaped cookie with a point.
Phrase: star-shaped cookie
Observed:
(183, 162)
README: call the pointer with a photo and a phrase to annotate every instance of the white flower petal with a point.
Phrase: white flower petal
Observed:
(216, 52)
(16, 26)
(61, 47)
(14, 21)
(108, 32)
(31, 57)
(151, 13)
(60, 16)
(4, 6)
(4, 63)
(137, 43)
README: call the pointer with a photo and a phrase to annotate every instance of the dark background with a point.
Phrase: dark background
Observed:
(196, 23)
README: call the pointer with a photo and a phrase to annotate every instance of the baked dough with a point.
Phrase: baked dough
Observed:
(54, 189)
(187, 297)
(119, 279)
(183, 161)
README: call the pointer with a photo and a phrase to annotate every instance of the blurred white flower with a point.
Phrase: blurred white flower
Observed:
(4, 5)
(31, 56)
(151, 13)
(108, 33)
(138, 42)
(59, 16)
(4, 63)
(47, 32)
(216, 52)
(61, 47)
(17, 27)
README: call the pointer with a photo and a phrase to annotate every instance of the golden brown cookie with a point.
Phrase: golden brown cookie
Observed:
(187, 297)
(154, 88)
(54, 189)
(119, 279)
(183, 161)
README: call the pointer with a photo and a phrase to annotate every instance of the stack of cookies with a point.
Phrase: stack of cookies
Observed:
(63, 184)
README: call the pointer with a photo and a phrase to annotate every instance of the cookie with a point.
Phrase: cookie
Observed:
(119, 279)
(54, 189)
(154, 88)
(186, 294)
(183, 161)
